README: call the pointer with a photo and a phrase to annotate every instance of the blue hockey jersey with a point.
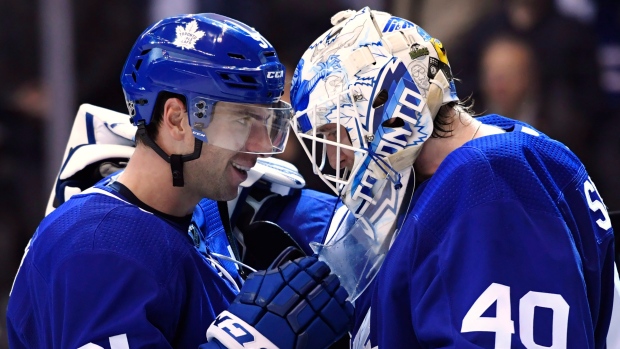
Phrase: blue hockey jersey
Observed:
(105, 271)
(508, 245)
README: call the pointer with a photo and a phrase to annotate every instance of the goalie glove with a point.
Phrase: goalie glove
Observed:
(296, 305)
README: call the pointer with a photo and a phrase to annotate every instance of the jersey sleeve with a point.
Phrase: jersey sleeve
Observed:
(99, 299)
(305, 216)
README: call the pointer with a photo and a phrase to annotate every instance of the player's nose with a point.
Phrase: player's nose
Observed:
(258, 140)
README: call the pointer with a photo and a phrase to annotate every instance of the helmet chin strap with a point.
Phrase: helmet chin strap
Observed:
(175, 160)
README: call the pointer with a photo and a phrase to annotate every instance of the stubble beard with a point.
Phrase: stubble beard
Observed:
(211, 178)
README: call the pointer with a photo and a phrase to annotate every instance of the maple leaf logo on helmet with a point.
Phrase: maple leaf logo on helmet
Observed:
(186, 37)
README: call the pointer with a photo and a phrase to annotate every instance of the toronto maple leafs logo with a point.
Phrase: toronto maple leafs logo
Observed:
(187, 37)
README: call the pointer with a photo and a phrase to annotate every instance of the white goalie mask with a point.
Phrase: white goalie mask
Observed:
(368, 90)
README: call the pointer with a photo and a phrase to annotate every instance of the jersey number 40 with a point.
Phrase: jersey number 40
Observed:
(502, 323)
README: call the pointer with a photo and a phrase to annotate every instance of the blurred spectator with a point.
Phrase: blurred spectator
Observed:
(576, 96)
(564, 50)
(22, 104)
(608, 28)
(509, 79)
(19, 58)
(159, 9)
(104, 32)
(21, 199)
(608, 150)
(447, 20)
(583, 10)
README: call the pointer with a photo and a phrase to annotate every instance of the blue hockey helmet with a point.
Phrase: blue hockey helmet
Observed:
(210, 59)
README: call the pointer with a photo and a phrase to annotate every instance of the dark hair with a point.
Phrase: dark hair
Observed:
(152, 129)
(444, 116)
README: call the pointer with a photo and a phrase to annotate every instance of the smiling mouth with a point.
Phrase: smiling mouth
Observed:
(241, 168)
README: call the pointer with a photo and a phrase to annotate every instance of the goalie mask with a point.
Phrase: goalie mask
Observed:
(367, 92)
(229, 74)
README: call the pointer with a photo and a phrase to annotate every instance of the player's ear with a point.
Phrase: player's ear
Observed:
(175, 119)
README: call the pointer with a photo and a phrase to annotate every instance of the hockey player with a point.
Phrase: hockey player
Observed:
(505, 243)
(272, 211)
(114, 266)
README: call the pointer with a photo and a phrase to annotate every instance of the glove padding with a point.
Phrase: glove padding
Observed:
(296, 305)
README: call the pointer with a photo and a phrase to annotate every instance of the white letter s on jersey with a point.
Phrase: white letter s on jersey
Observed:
(596, 203)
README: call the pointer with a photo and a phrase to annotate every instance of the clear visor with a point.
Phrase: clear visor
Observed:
(356, 247)
(247, 128)
(354, 255)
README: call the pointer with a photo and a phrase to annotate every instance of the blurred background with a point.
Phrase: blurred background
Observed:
(552, 63)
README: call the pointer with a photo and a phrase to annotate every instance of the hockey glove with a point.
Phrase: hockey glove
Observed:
(296, 305)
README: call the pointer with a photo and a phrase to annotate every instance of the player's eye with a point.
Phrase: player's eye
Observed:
(330, 132)
(245, 120)
(330, 136)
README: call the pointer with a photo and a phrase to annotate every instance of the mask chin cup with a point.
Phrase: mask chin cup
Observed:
(355, 256)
